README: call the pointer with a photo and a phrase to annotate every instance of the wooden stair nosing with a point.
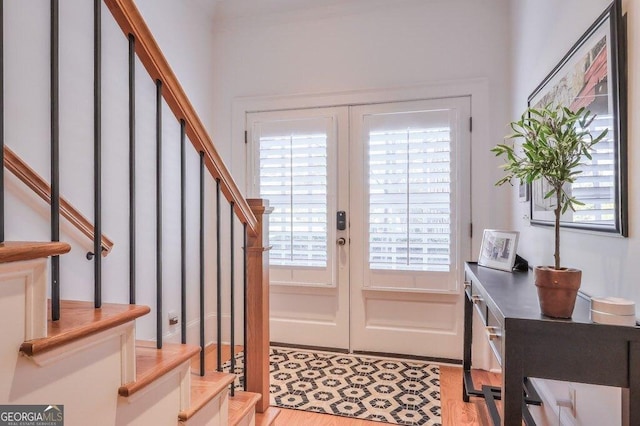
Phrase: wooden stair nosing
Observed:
(153, 363)
(204, 389)
(80, 319)
(14, 251)
(240, 405)
(268, 417)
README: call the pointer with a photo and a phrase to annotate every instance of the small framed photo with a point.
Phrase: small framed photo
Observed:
(498, 249)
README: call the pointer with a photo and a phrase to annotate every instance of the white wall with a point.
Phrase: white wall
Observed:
(542, 32)
(185, 34)
(367, 45)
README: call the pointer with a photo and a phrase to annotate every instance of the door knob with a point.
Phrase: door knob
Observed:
(341, 241)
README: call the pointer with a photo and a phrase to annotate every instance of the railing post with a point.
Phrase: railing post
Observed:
(257, 350)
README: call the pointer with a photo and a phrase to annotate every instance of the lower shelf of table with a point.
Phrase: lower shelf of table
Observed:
(491, 394)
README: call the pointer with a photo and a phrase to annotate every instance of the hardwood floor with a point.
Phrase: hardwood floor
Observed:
(455, 412)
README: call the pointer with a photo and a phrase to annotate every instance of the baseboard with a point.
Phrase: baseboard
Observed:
(411, 357)
(193, 330)
(309, 348)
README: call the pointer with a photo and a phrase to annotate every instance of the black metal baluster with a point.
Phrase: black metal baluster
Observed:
(218, 281)
(158, 214)
(202, 342)
(244, 302)
(132, 169)
(183, 237)
(55, 160)
(232, 297)
(97, 151)
(1, 121)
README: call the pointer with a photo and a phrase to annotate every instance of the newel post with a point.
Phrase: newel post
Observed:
(257, 350)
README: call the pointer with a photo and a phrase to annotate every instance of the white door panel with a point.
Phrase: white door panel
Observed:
(410, 200)
(298, 165)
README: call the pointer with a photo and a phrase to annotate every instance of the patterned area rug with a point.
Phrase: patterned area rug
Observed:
(385, 390)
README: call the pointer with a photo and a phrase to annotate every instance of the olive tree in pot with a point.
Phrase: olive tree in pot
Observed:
(555, 141)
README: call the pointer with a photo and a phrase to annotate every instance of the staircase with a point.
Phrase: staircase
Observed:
(84, 355)
(90, 362)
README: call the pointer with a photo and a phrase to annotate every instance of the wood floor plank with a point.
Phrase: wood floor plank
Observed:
(210, 357)
(455, 412)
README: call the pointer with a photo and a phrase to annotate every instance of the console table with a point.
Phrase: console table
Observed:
(528, 344)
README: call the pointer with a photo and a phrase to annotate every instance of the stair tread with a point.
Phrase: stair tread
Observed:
(14, 251)
(240, 405)
(204, 389)
(80, 319)
(268, 417)
(153, 363)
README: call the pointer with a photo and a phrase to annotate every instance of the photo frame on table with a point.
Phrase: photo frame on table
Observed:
(592, 75)
(498, 249)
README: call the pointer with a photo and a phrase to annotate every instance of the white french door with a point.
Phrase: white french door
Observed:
(300, 164)
(389, 280)
(410, 195)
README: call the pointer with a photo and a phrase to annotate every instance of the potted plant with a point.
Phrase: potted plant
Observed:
(555, 140)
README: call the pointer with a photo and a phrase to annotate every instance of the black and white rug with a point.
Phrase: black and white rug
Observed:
(385, 390)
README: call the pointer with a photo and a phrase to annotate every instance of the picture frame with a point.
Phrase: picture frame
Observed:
(592, 75)
(498, 249)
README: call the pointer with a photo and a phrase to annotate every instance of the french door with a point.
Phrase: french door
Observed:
(371, 207)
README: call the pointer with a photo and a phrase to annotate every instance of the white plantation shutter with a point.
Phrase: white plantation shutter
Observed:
(412, 204)
(293, 177)
(294, 158)
(409, 199)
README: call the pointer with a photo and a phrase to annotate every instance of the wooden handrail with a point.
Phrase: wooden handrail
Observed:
(130, 20)
(37, 184)
(16, 251)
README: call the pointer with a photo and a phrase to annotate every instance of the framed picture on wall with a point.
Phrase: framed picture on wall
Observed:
(592, 75)
(498, 249)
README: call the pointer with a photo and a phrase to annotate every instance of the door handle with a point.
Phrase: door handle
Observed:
(341, 241)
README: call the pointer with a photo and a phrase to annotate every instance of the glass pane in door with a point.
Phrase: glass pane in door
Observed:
(410, 235)
(293, 160)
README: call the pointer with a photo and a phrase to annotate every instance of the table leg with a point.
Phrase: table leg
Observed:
(468, 335)
(633, 397)
(512, 378)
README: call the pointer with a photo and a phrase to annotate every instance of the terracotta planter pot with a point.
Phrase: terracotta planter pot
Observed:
(557, 290)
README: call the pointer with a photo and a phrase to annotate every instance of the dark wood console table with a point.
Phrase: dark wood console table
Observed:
(529, 344)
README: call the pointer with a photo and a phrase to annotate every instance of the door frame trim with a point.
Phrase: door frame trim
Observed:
(476, 89)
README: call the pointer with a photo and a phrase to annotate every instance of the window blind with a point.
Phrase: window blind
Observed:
(410, 199)
(293, 176)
